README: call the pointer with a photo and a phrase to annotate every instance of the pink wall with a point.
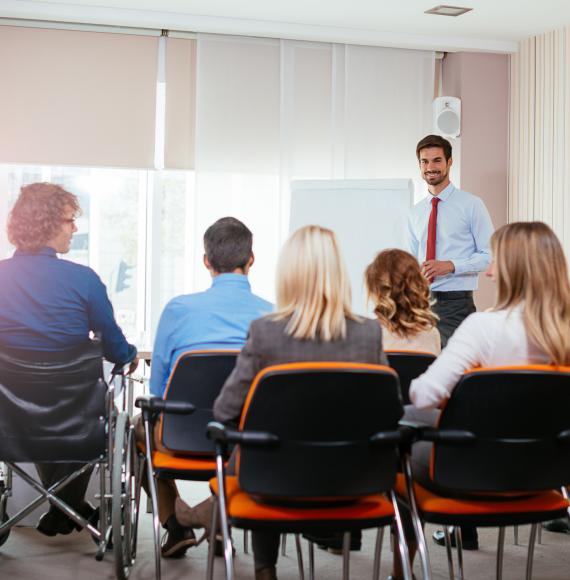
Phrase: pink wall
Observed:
(481, 81)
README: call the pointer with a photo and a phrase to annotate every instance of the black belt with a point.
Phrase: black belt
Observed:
(453, 295)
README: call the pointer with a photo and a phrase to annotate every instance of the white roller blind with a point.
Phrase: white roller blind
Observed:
(271, 111)
(77, 98)
(388, 110)
(180, 103)
(238, 103)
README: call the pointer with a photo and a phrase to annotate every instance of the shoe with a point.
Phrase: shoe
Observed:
(469, 538)
(333, 542)
(559, 526)
(269, 573)
(53, 522)
(199, 516)
(177, 539)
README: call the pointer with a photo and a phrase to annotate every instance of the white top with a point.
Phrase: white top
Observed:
(483, 339)
(425, 341)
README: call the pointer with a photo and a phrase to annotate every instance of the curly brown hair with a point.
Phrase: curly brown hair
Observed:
(400, 293)
(38, 214)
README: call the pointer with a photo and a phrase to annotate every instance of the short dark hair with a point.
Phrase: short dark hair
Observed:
(434, 141)
(228, 244)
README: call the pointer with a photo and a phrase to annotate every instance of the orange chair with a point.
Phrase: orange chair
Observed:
(180, 448)
(500, 450)
(318, 451)
(409, 364)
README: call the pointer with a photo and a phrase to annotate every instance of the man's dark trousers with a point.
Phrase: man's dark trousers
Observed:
(452, 308)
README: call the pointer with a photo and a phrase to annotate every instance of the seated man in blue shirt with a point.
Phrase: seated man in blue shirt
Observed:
(217, 318)
(49, 304)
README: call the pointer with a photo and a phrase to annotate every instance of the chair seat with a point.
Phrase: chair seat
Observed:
(485, 512)
(244, 511)
(162, 460)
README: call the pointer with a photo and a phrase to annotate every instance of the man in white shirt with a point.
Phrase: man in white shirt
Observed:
(449, 233)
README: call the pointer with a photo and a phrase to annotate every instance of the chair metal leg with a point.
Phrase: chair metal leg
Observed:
(311, 561)
(283, 544)
(418, 527)
(300, 557)
(228, 552)
(449, 554)
(516, 532)
(530, 557)
(346, 556)
(153, 498)
(402, 543)
(459, 544)
(378, 554)
(245, 542)
(212, 543)
(566, 495)
(539, 534)
(500, 552)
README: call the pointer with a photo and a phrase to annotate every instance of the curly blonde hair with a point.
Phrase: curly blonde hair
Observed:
(400, 293)
(38, 214)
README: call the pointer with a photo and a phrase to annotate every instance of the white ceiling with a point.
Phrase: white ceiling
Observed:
(493, 25)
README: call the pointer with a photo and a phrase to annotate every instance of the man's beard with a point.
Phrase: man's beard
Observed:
(438, 178)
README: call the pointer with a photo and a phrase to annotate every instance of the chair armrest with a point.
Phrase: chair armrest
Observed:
(387, 438)
(446, 437)
(158, 405)
(222, 434)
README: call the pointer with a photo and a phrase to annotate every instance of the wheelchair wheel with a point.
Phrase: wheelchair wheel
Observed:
(125, 501)
(4, 536)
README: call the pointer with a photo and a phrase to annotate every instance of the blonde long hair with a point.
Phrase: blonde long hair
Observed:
(400, 293)
(531, 270)
(313, 290)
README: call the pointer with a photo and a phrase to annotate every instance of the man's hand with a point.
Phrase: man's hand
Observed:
(133, 365)
(431, 269)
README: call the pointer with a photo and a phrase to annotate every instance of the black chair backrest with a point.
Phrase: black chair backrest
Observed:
(409, 365)
(52, 405)
(517, 415)
(198, 378)
(324, 415)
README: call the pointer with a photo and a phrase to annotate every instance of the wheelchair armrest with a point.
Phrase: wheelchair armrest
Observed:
(446, 437)
(158, 405)
(222, 434)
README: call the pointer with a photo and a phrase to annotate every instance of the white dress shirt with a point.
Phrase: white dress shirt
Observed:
(486, 339)
(464, 229)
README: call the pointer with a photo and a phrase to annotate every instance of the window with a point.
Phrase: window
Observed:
(132, 232)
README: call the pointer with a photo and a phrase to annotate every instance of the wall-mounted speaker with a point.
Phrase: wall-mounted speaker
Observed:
(447, 116)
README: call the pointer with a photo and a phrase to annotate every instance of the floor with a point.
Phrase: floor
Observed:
(27, 555)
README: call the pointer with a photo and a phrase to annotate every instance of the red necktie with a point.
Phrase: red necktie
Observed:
(432, 230)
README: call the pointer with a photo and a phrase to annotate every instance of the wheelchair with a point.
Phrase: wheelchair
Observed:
(57, 408)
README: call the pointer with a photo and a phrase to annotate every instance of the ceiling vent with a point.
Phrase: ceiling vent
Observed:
(444, 10)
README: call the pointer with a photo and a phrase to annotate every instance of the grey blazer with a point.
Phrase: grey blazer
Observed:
(268, 344)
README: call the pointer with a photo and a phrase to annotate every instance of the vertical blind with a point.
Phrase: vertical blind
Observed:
(539, 167)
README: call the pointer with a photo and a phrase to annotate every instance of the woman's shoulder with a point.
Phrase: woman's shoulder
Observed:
(268, 324)
(363, 326)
